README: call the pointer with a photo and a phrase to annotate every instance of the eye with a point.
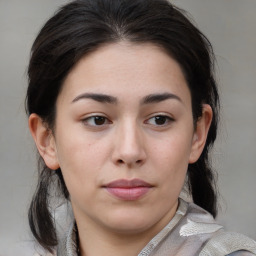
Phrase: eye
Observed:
(160, 120)
(96, 121)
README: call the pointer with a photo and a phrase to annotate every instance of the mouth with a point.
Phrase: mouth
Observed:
(128, 190)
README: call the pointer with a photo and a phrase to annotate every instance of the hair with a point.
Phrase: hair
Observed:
(83, 26)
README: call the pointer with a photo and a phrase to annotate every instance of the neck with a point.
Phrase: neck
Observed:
(98, 240)
(98, 245)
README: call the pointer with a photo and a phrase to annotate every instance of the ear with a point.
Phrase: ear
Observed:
(200, 133)
(44, 140)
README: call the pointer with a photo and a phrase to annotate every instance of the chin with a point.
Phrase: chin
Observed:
(131, 223)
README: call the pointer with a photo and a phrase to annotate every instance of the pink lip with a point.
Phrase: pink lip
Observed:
(128, 190)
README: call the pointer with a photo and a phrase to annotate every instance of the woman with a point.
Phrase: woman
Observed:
(123, 108)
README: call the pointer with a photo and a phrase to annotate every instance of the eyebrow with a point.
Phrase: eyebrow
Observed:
(149, 99)
(159, 97)
(102, 98)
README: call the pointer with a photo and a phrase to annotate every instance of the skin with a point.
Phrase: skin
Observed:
(129, 141)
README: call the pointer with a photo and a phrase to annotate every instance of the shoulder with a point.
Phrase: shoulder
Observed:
(219, 242)
(229, 243)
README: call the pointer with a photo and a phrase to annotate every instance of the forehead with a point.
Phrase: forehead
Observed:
(125, 67)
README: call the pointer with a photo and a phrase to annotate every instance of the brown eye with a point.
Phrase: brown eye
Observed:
(96, 121)
(99, 120)
(160, 120)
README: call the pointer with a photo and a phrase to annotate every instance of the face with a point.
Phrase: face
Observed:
(124, 137)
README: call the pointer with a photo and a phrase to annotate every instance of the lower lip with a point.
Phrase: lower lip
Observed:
(128, 194)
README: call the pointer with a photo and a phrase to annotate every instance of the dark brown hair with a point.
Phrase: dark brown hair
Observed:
(83, 26)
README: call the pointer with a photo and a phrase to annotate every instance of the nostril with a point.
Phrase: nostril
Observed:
(120, 161)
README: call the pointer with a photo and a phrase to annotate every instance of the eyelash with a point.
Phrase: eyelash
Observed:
(167, 120)
(102, 120)
(96, 118)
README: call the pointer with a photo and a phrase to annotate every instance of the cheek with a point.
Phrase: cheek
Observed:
(174, 149)
(170, 158)
(81, 157)
(74, 146)
(72, 154)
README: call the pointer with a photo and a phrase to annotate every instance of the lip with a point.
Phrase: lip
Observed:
(128, 190)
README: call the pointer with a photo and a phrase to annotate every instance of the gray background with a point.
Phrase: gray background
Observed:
(231, 27)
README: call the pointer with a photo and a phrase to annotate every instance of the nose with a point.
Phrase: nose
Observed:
(129, 146)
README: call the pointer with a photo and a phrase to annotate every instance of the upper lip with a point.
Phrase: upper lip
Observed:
(123, 183)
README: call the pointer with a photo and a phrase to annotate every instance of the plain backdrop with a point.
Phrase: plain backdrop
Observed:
(231, 27)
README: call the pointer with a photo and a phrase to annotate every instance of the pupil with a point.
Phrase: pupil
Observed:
(160, 120)
(99, 120)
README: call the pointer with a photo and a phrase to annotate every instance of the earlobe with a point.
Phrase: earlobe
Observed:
(44, 140)
(200, 134)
